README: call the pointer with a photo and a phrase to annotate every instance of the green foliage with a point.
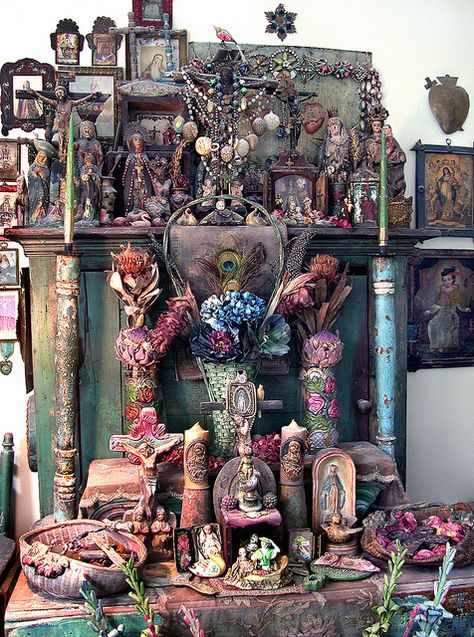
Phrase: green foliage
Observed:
(142, 603)
(93, 607)
(388, 609)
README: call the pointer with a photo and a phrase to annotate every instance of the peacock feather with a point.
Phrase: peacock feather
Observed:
(233, 266)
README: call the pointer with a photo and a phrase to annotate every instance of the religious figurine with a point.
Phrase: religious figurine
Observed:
(38, 188)
(138, 178)
(210, 562)
(63, 105)
(221, 216)
(158, 205)
(161, 535)
(254, 218)
(237, 190)
(91, 195)
(265, 554)
(208, 190)
(88, 143)
(248, 495)
(187, 219)
(259, 566)
(334, 157)
(333, 495)
(338, 530)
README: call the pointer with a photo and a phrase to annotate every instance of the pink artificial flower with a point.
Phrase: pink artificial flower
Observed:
(315, 403)
(333, 409)
(330, 385)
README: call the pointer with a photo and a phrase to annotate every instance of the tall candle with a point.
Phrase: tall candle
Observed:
(292, 451)
(69, 207)
(383, 200)
(196, 458)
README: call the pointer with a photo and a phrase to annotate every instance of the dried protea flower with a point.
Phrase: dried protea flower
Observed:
(323, 266)
(135, 348)
(294, 302)
(133, 261)
(323, 349)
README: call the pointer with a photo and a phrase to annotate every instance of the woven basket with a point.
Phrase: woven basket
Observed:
(464, 550)
(216, 376)
(104, 580)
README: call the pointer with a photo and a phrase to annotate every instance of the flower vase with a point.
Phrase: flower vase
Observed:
(321, 410)
(142, 389)
(216, 377)
(321, 353)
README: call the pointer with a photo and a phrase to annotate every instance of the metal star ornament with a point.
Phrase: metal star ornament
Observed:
(280, 21)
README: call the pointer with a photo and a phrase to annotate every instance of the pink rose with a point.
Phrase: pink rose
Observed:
(330, 385)
(315, 403)
(333, 410)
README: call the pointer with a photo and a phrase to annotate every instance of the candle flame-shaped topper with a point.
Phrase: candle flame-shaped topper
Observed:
(69, 206)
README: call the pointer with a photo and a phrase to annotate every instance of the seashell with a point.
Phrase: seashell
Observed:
(259, 126)
(272, 121)
(178, 124)
(243, 104)
(242, 147)
(190, 131)
(252, 140)
(227, 153)
(203, 146)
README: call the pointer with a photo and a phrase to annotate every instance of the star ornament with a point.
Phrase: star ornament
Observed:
(280, 21)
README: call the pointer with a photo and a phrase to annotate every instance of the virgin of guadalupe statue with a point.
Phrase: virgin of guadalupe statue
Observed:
(334, 157)
(138, 177)
(333, 495)
(38, 188)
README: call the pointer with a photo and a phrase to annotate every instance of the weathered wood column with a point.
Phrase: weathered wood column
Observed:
(66, 362)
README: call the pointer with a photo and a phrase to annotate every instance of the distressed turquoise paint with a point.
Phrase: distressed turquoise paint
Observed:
(385, 358)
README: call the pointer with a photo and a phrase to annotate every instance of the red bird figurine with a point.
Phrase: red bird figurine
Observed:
(223, 35)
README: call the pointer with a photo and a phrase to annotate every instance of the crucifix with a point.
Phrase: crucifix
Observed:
(242, 402)
(146, 442)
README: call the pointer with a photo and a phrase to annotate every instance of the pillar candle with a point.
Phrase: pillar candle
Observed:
(196, 458)
(383, 200)
(292, 450)
(69, 206)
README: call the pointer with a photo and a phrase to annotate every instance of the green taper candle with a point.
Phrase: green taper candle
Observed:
(383, 200)
(69, 207)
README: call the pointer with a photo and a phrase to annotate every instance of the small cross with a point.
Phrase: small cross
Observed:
(146, 442)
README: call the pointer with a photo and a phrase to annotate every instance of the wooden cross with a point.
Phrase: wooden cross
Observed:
(242, 405)
(146, 442)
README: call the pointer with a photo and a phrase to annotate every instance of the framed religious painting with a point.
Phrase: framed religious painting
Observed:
(154, 61)
(9, 217)
(19, 108)
(445, 189)
(103, 112)
(9, 267)
(149, 13)
(104, 45)
(67, 42)
(9, 314)
(441, 309)
(301, 546)
(9, 159)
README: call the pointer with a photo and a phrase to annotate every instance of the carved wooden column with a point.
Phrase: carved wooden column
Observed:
(66, 363)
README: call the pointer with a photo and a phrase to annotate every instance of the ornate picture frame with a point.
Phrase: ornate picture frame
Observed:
(104, 45)
(149, 13)
(88, 79)
(445, 188)
(9, 300)
(10, 158)
(151, 55)
(66, 42)
(441, 309)
(9, 267)
(9, 215)
(18, 112)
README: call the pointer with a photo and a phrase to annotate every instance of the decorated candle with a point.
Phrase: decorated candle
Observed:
(383, 201)
(196, 458)
(292, 451)
(69, 207)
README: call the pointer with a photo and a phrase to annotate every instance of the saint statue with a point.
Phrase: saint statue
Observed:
(138, 177)
(333, 495)
(38, 188)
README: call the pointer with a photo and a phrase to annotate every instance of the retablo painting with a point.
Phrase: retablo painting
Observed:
(334, 486)
(441, 308)
(9, 159)
(445, 187)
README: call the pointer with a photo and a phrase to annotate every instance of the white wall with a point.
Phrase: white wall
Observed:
(410, 40)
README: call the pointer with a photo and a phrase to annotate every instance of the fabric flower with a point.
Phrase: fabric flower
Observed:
(232, 309)
(333, 410)
(134, 347)
(330, 385)
(315, 403)
(272, 338)
(323, 349)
